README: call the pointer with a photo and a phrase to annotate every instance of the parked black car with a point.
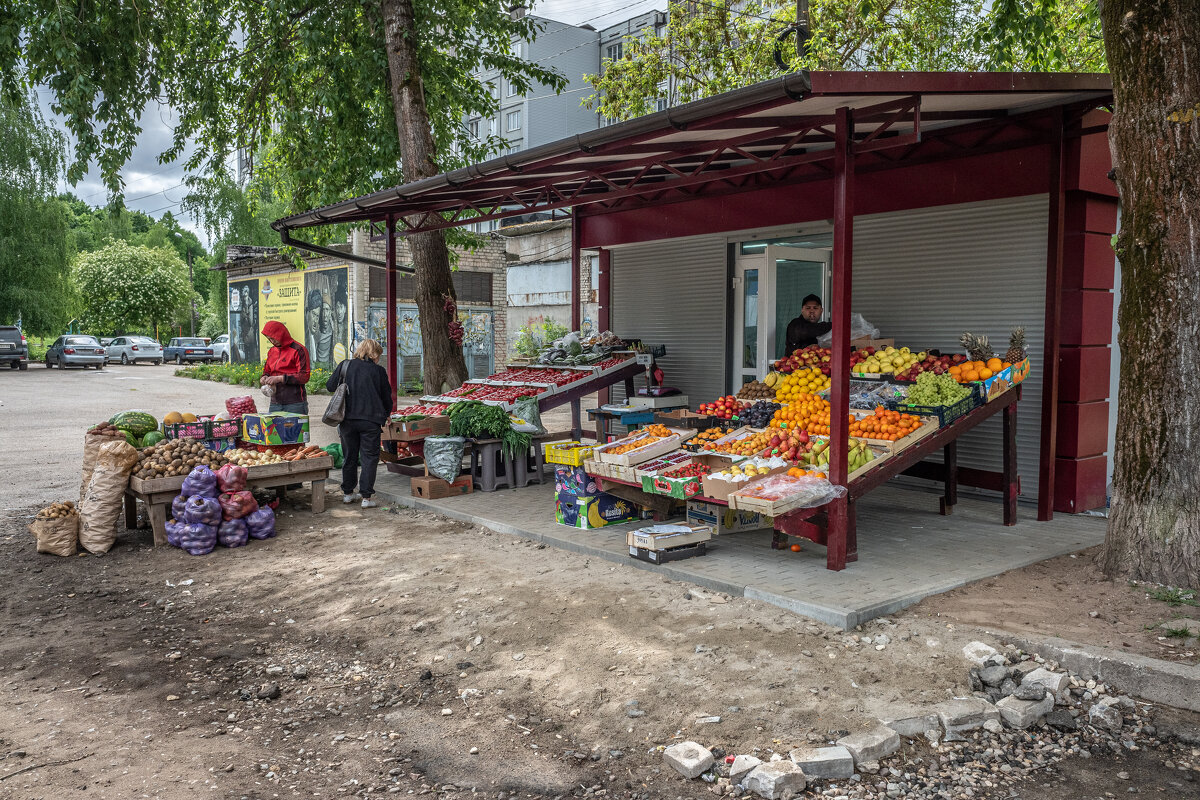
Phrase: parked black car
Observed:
(14, 350)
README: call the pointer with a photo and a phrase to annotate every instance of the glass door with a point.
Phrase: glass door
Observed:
(769, 290)
(747, 342)
(793, 274)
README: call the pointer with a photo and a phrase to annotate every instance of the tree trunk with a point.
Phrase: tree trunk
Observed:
(1153, 49)
(444, 365)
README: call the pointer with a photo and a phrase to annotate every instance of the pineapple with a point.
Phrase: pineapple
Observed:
(1016, 346)
(977, 347)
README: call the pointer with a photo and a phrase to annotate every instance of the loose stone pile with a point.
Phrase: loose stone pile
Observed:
(1023, 715)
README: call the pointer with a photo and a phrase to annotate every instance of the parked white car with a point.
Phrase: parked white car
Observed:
(220, 348)
(132, 349)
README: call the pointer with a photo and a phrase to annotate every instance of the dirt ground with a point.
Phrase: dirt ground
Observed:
(411, 652)
(1069, 598)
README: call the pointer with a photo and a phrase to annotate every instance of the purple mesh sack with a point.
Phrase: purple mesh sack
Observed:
(178, 505)
(261, 524)
(197, 539)
(203, 510)
(233, 533)
(173, 532)
(201, 482)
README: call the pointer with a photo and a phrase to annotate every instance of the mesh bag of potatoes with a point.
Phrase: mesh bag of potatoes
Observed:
(56, 528)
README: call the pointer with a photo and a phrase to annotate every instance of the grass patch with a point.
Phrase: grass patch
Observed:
(1172, 596)
(1182, 632)
(248, 375)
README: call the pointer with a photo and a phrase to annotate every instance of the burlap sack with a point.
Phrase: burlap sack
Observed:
(101, 505)
(91, 448)
(56, 536)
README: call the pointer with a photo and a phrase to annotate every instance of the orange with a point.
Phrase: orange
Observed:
(995, 364)
(985, 373)
(796, 548)
(1006, 365)
(971, 374)
(955, 370)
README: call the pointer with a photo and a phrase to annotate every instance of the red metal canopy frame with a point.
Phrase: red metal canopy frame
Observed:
(796, 128)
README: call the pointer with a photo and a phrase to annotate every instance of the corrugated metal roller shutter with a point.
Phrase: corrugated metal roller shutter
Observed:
(923, 277)
(674, 293)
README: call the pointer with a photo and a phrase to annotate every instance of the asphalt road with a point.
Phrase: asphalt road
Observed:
(44, 414)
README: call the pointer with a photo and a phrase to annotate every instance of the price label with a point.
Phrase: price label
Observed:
(645, 359)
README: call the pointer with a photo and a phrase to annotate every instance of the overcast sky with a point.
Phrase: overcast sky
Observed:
(156, 188)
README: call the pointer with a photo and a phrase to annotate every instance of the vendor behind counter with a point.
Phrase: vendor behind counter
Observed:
(805, 329)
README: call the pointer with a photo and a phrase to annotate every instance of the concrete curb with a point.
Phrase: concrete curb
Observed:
(1154, 680)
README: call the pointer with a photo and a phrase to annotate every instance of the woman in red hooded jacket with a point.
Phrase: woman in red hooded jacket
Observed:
(287, 369)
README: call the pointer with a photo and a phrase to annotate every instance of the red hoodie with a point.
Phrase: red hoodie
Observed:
(290, 359)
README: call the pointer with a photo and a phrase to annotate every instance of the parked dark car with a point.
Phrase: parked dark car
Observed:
(132, 349)
(186, 348)
(14, 350)
(75, 350)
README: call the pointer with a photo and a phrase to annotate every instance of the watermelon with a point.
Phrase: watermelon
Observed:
(152, 438)
(133, 440)
(139, 423)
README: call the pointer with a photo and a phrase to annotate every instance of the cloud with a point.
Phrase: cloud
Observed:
(150, 186)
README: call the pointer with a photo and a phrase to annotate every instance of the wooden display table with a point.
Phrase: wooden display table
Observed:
(834, 524)
(158, 493)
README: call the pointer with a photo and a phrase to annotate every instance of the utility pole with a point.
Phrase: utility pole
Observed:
(192, 316)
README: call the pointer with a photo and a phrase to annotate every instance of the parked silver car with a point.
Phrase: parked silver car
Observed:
(132, 349)
(220, 347)
(75, 350)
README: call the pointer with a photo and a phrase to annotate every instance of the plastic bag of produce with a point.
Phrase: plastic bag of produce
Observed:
(173, 527)
(202, 510)
(235, 505)
(261, 524)
(443, 456)
(100, 508)
(178, 505)
(335, 450)
(200, 482)
(859, 329)
(231, 478)
(58, 536)
(526, 409)
(197, 539)
(237, 406)
(233, 533)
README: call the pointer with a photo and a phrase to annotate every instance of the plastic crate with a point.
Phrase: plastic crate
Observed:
(945, 414)
(571, 454)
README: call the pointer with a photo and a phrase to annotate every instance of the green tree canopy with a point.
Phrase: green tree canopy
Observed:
(712, 47)
(126, 288)
(34, 257)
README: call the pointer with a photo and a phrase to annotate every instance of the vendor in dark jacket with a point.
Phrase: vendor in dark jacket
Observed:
(805, 329)
(368, 405)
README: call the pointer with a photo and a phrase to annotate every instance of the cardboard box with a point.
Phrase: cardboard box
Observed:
(205, 428)
(219, 445)
(593, 512)
(720, 490)
(1003, 380)
(279, 428)
(680, 488)
(867, 341)
(431, 488)
(668, 535)
(724, 520)
(574, 481)
(674, 554)
(416, 429)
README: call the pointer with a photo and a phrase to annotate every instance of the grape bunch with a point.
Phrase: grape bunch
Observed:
(936, 390)
(759, 415)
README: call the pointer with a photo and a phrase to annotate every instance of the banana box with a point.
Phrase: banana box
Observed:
(593, 512)
(723, 519)
(574, 481)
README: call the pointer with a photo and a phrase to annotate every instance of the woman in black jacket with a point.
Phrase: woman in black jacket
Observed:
(368, 404)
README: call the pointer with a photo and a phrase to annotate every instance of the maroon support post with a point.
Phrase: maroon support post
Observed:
(576, 271)
(604, 300)
(1054, 267)
(390, 308)
(840, 546)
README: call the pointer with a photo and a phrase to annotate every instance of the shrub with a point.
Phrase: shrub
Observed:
(248, 375)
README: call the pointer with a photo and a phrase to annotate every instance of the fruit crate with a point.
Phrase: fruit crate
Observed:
(571, 454)
(945, 414)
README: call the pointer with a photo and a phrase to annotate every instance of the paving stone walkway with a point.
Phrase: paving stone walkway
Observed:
(906, 550)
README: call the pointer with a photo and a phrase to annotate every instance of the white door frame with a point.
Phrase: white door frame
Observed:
(766, 263)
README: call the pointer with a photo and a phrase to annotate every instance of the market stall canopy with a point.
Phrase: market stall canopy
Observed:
(782, 128)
